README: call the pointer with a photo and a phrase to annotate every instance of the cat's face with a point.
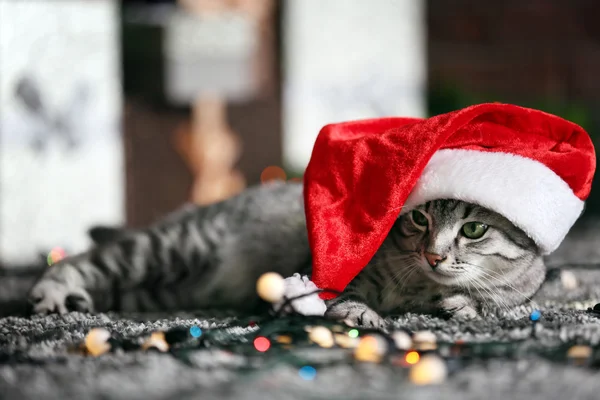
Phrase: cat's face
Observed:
(458, 243)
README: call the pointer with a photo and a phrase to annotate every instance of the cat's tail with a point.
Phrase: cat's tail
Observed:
(106, 234)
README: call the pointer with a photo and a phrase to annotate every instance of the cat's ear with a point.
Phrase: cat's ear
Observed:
(105, 234)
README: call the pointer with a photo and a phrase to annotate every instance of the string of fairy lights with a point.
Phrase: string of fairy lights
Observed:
(417, 355)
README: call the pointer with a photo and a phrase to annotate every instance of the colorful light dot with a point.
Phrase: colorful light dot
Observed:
(353, 333)
(412, 357)
(431, 370)
(195, 331)
(55, 255)
(96, 341)
(284, 339)
(371, 348)
(273, 173)
(535, 315)
(307, 373)
(270, 287)
(321, 336)
(262, 344)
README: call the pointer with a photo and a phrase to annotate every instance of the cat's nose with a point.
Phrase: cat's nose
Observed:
(434, 259)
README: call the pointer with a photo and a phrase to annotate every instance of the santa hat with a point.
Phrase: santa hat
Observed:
(534, 168)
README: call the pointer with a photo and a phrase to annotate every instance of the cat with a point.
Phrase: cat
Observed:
(443, 256)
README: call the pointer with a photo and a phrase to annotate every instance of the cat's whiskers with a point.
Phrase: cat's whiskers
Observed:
(507, 284)
(492, 293)
(502, 280)
(476, 287)
(497, 296)
(494, 296)
(399, 279)
(406, 271)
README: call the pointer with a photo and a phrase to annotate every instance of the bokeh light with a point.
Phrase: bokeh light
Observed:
(262, 344)
(412, 357)
(55, 255)
(535, 315)
(353, 333)
(307, 373)
(195, 331)
(273, 173)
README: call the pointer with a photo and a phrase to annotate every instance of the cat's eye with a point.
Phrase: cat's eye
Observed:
(474, 230)
(419, 218)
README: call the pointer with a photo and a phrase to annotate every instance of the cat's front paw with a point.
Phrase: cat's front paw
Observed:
(459, 307)
(358, 314)
(49, 296)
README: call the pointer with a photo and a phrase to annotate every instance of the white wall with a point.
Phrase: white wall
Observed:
(349, 60)
(49, 197)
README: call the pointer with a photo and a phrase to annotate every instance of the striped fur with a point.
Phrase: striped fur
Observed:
(503, 267)
(210, 257)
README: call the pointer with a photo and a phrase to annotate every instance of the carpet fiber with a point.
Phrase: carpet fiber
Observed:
(37, 360)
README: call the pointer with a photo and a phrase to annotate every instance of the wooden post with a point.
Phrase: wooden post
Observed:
(217, 149)
(212, 148)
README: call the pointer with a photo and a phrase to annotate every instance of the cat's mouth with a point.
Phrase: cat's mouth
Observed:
(443, 277)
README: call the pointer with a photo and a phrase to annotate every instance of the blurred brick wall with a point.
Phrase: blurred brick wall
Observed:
(517, 48)
(535, 53)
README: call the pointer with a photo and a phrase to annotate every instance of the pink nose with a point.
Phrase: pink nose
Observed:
(434, 259)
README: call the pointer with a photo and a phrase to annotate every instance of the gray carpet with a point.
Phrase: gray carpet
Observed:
(36, 361)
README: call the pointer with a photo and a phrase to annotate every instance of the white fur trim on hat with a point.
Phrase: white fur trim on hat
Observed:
(525, 191)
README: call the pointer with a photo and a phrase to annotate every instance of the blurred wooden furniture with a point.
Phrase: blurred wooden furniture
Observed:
(200, 123)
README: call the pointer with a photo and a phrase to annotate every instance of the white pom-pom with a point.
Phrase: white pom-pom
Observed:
(270, 287)
(297, 285)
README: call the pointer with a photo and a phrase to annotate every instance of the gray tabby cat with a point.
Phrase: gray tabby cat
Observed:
(445, 255)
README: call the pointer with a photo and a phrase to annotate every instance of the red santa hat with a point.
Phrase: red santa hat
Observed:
(534, 168)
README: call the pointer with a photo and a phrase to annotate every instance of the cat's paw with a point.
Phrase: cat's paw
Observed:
(357, 314)
(459, 307)
(466, 312)
(49, 296)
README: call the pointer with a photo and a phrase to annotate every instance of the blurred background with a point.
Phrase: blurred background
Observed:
(115, 113)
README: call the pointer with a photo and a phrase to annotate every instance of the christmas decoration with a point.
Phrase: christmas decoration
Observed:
(270, 287)
(579, 354)
(568, 280)
(412, 357)
(371, 348)
(403, 341)
(300, 296)
(195, 331)
(534, 168)
(262, 344)
(346, 341)
(156, 341)
(424, 340)
(535, 315)
(96, 342)
(55, 255)
(307, 373)
(275, 339)
(321, 336)
(429, 370)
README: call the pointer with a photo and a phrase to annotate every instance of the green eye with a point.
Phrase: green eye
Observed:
(474, 230)
(419, 218)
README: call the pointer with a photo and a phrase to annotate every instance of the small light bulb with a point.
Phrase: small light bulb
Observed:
(271, 287)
